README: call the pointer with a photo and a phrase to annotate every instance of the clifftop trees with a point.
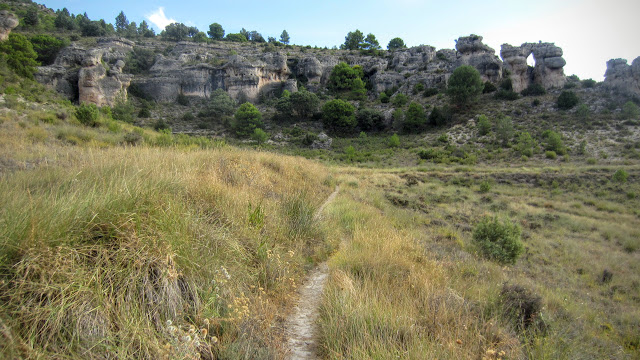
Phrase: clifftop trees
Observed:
(284, 37)
(395, 44)
(216, 32)
(355, 40)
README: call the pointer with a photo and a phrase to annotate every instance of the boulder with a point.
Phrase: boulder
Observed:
(8, 22)
(472, 52)
(323, 142)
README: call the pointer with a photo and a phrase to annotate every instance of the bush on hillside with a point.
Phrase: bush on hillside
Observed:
(464, 85)
(87, 114)
(339, 117)
(247, 119)
(498, 240)
(534, 90)
(567, 100)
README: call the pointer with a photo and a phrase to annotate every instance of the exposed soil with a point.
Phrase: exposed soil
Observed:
(300, 326)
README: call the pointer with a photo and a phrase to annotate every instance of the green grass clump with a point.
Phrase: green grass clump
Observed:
(498, 240)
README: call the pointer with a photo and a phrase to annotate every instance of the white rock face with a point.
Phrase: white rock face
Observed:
(8, 22)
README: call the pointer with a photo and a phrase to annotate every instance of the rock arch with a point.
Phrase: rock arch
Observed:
(548, 70)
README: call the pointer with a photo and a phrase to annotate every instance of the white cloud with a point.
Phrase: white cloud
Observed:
(159, 19)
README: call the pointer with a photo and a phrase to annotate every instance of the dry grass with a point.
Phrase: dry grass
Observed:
(151, 253)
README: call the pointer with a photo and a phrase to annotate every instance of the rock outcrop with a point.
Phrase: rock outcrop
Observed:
(474, 53)
(90, 75)
(8, 22)
(622, 77)
(250, 71)
(548, 70)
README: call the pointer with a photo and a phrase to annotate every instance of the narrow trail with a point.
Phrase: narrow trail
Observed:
(300, 327)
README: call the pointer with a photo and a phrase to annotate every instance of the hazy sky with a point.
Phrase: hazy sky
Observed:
(589, 31)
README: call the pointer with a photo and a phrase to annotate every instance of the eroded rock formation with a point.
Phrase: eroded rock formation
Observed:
(548, 70)
(473, 52)
(90, 75)
(622, 77)
(8, 22)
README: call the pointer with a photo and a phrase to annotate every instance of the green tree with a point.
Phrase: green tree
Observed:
(353, 40)
(396, 44)
(504, 130)
(345, 78)
(304, 103)
(259, 135)
(216, 32)
(484, 125)
(525, 144)
(176, 31)
(339, 117)
(553, 142)
(31, 16)
(439, 116)
(284, 37)
(247, 119)
(64, 20)
(145, 31)
(122, 24)
(415, 118)
(394, 141)
(567, 100)
(630, 110)
(464, 85)
(220, 104)
(20, 55)
(371, 43)
(47, 47)
(239, 37)
(200, 37)
(370, 119)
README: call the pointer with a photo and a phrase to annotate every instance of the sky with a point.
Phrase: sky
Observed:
(590, 32)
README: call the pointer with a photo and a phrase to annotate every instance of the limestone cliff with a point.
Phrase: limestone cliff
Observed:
(250, 71)
(91, 75)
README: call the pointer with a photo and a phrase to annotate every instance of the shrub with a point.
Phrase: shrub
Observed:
(550, 154)
(160, 124)
(418, 88)
(259, 135)
(504, 130)
(506, 84)
(630, 110)
(220, 104)
(132, 138)
(464, 85)
(509, 95)
(182, 99)
(144, 113)
(384, 98)
(394, 141)
(139, 61)
(123, 110)
(247, 119)
(588, 83)
(415, 118)
(87, 114)
(498, 240)
(399, 100)
(534, 90)
(483, 125)
(485, 186)
(339, 117)
(370, 119)
(567, 100)
(521, 306)
(525, 144)
(20, 55)
(488, 87)
(429, 92)
(583, 112)
(439, 116)
(188, 117)
(553, 141)
(47, 47)
(620, 176)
